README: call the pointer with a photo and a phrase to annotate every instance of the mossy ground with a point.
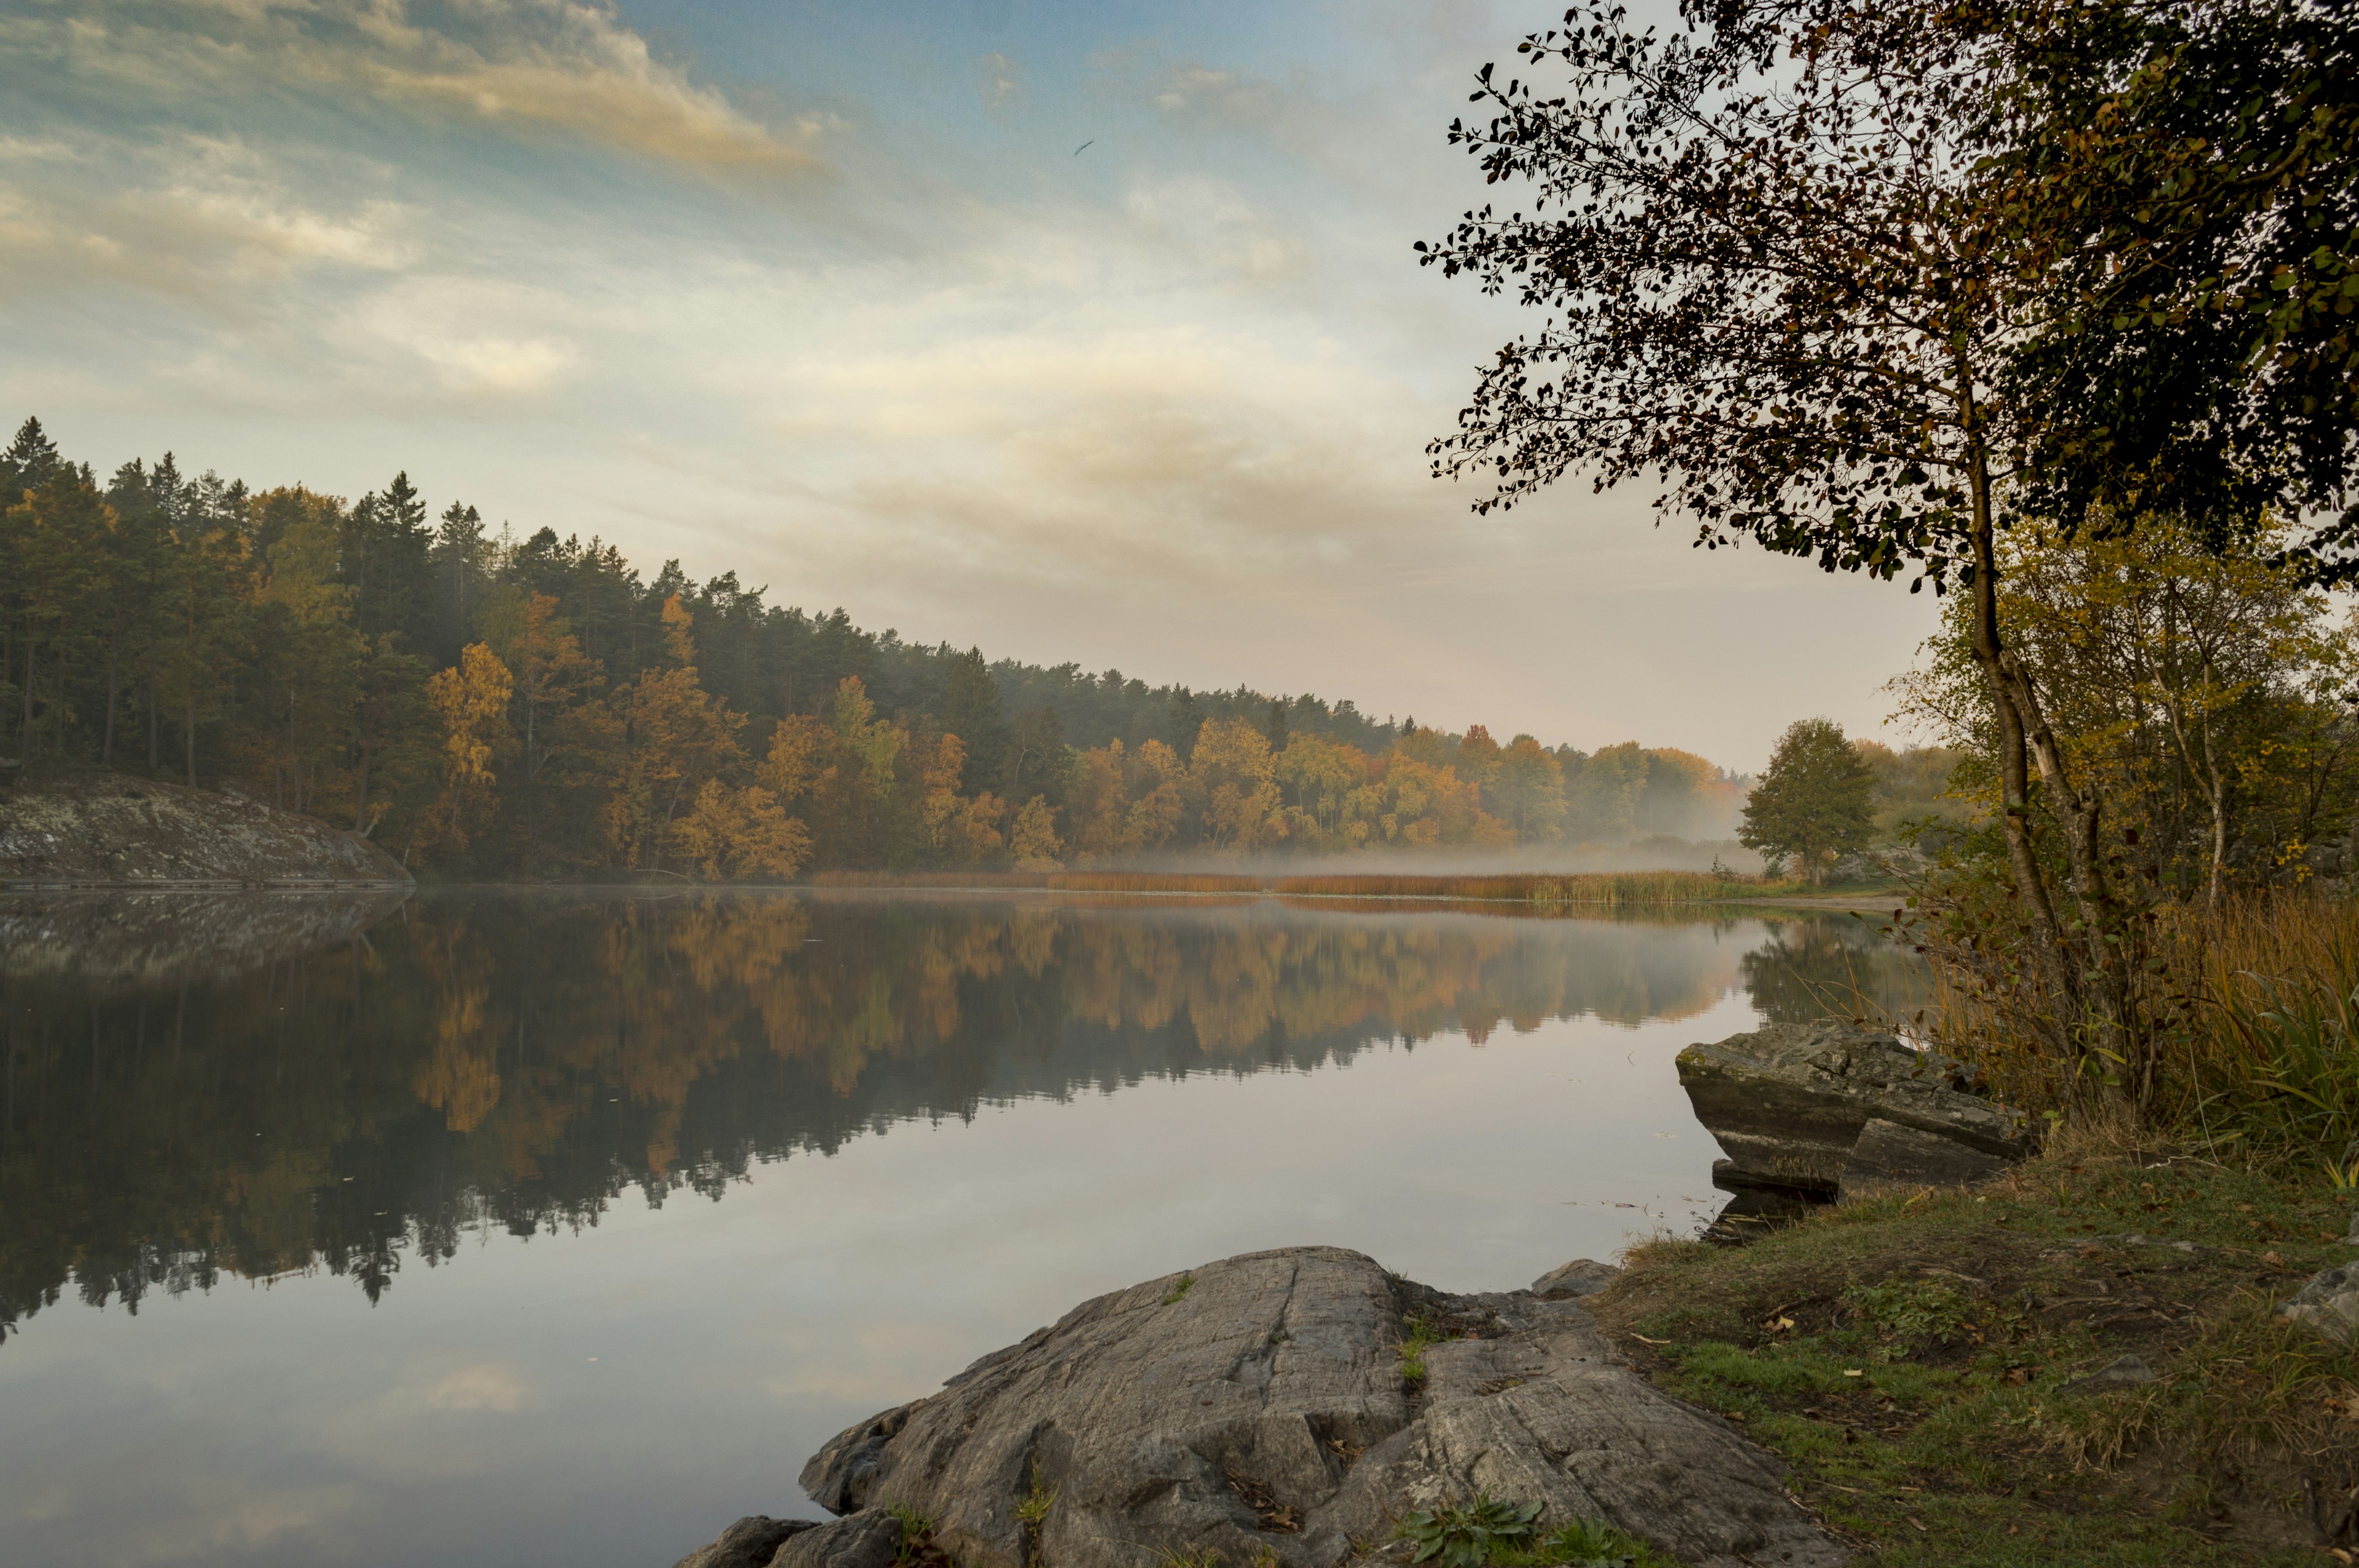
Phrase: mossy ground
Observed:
(1907, 1356)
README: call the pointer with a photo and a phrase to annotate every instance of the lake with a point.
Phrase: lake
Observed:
(530, 1227)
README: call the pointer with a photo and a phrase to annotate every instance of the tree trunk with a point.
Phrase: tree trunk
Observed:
(106, 751)
(32, 659)
(532, 780)
(360, 811)
(155, 717)
(2085, 964)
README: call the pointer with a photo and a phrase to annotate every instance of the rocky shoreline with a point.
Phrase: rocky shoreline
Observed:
(1288, 1409)
(1283, 1408)
(112, 830)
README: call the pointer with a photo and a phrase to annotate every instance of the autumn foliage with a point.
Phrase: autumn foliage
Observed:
(493, 708)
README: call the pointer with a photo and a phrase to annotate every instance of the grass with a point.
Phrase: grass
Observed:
(1411, 1349)
(1493, 1532)
(2251, 1010)
(1178, 1292)
(1033, 1507)
(1908, 1358)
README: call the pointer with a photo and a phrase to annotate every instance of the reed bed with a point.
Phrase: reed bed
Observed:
(1156, 881)
(2255, 1010)
(1608, 888)
(1530, 887)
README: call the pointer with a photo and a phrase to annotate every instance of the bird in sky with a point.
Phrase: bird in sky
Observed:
(1085, 146)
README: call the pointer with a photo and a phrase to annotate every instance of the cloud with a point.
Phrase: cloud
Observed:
(565, 67)
(193, 215)
(999, 83)
(1210, 222)
(1197, 93)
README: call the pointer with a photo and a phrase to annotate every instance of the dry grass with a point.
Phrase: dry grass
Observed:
(1608, 889)
(1532, 887)
(2255, 1043)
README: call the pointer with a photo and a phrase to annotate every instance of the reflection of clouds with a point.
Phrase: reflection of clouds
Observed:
(223, 1515)
(411, 1428)
(49, 1502)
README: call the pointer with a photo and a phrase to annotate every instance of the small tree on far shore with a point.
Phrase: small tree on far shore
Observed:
(1811, 804)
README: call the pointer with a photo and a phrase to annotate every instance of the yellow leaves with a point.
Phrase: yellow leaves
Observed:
(680, 631)
(872, 743)
(797, 763)
(471, 700)
(735, 833)
(1032, 841)
(1232, 777)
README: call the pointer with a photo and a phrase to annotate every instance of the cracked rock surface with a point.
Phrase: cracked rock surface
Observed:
(113, 830)
(1819, 1107)
(1258, 1405)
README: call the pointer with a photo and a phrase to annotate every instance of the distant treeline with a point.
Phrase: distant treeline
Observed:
(484, 706)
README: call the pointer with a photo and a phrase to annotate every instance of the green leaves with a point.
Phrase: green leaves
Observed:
(1456, 1536)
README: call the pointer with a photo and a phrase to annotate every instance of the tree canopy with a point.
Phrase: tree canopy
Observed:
(1814, 802)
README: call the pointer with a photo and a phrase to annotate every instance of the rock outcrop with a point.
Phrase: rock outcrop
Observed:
(1581, 1277)
(1817, 1107)
(1267, 1408)
(752, 1542)
(112, 830)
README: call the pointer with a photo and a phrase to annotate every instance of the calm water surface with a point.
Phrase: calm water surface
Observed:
(524, 1228)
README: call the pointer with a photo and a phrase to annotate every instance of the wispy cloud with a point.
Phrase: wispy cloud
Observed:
(566, 68)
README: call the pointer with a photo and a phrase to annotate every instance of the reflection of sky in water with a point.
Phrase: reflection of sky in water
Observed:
(619, 1391)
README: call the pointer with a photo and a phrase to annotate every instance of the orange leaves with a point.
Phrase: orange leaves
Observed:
(734, 833)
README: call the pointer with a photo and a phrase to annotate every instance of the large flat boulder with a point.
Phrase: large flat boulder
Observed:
(1818, 1107)
(114, 830)
(1259, 1406)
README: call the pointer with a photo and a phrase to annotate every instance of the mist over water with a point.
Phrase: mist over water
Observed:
(530, 1226)
(1656, 853)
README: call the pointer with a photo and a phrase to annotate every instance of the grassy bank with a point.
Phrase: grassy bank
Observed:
(1601, 888)
(1911, 1359)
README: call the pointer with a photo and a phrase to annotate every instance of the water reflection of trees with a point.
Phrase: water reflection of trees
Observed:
(1843, 967)
(520, 1060)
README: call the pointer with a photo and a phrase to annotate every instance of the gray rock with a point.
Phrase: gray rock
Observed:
(2351, 1237)
(1788, 1104)
(2122, 1372)
(1891, 1155)
(864, 1540)
(751, 1543)
(2328, 1303)
(113, 830)
(1581, 1277)
(1263, 1408)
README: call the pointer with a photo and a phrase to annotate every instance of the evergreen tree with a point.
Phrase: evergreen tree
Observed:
(971, 712)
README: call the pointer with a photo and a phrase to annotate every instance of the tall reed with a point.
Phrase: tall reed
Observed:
(2255, 1011)
(1609, 888)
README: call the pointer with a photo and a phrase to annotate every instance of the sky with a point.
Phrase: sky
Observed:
(1076, 332)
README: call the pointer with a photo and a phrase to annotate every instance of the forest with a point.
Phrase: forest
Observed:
(482, 706)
